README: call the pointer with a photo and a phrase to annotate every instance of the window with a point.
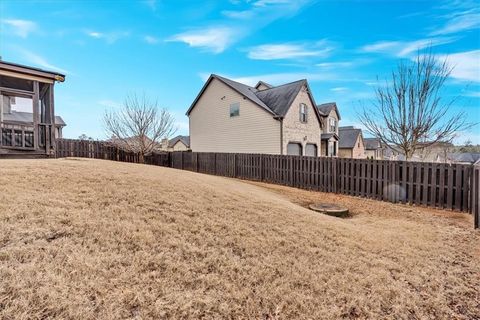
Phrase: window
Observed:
(18, 138)
(333, 124)
(28, 139)
(234, 109)
(303, 112)
(7, 137)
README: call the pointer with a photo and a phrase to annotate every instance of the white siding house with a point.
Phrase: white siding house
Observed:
(228, 116)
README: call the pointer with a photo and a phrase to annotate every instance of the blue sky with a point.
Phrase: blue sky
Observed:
(167, 49)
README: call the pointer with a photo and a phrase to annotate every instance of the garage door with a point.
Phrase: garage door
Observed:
(311, 150)
(294, 149)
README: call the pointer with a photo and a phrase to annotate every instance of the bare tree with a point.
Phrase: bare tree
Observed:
(139, 125)
(410, 108)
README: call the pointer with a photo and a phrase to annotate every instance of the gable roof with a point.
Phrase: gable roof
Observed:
(280, 98)
(246, 91)
(259, 83)
(348, 137)
(276, 100)
(184, 139)
(372, 143)
(326, 108)
(469, 157)
(20, 116)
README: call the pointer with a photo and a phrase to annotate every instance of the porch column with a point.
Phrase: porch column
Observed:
(36, 105)
(52, 117)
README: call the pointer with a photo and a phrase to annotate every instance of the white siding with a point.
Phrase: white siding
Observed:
(213, 130)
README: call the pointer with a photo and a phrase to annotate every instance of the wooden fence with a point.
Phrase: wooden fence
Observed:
(439, 185)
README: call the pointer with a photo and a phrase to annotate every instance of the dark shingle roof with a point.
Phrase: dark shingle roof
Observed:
(372, 143)
(326, 108)
(348, 137)
(19, 116)
(275, 100)
(245, 90)
(269, 86)
(327, 136)
(467, 157)
(184, 139)
(280, 98)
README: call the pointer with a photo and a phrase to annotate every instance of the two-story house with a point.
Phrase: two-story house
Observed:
(330, 129)
(228, 116)
(351, 143)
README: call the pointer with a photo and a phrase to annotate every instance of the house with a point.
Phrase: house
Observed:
(179, 143)
(460, 158)
(351, 143)
(424, 152)
(28, 124)
(229, 116)
(329, 136)
(373, 148)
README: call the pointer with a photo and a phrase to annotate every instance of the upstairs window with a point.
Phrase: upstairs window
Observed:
(234, 109)
(333, 124)
(303, 112)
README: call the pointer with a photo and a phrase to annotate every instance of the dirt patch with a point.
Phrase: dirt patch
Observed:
(100, 240)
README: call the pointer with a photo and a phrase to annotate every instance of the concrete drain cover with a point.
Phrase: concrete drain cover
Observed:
(330, 209)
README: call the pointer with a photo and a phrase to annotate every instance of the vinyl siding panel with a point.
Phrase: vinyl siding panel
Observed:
(213, 130)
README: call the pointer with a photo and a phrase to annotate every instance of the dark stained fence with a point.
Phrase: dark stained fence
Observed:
(439, 185)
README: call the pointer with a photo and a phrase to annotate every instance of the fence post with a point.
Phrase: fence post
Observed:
(261, 167)
(474, 196)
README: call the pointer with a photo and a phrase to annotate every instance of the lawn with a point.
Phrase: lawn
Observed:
(92, 239)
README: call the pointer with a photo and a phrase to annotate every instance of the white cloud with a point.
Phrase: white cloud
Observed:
(109, 103)
(339, 89)
(213, 39)
(289, 51)
(334, 64)
(21, 28)
(264, 3)
(150, 39)
(218, 36)
(38, 60)
(466, 65)
(404, 48)
(464, 21)
(109, 37)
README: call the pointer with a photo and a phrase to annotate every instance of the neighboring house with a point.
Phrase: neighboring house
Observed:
(27, 118)
(429, 152)
(329, 136)
(228, 116)
(351, 143)
(373, 148)
(179, 143)
(134, 143)
(425, 152)
(460, 158)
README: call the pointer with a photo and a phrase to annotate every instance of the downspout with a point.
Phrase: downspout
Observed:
(281, 133)
(281, 136)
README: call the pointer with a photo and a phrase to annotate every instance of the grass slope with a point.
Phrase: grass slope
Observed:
(91, 239)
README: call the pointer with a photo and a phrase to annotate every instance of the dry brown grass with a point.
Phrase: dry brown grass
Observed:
(91, 239)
